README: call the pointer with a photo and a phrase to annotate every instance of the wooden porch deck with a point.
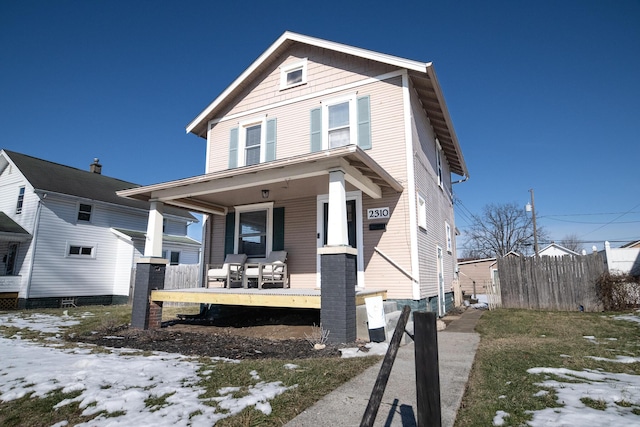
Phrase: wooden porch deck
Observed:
(285, 298)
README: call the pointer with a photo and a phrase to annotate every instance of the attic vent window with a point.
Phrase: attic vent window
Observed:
(294, 74)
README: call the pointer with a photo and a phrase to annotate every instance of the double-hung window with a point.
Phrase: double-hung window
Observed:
(340, 122)
(20, 200)
(447, 230)
(84, 212)
(252, 142)
(439, 162)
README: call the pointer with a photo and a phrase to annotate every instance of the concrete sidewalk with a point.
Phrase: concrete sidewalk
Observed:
(345, 406)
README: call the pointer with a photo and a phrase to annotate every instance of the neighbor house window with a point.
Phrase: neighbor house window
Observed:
(20, 200)
(447, 229)
(253, 230)
(172, 256)
(422, 212)
(293, 74)
(80, 251)
(84, 212)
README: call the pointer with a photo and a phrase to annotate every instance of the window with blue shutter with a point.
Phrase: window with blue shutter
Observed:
(341, 121)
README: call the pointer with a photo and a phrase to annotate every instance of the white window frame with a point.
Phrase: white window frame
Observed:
(80, 255)
(20, 202)
(439, 164)
(447, 230)
(268, 206)
(78, 212)
(167, 254)
(289, 68)
(242, 139)
(422, 211)
(353, 119)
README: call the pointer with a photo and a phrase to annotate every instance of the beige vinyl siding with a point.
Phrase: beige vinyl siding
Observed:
(293, 119)
(478, 271)
(393, 242)
(300, 241)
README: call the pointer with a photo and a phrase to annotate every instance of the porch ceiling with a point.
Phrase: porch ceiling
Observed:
(286, 179)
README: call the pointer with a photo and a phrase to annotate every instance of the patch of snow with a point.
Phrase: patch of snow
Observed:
(618, 359)
(597, 385)
(374, 349)
(119, 381)
(290, 366)
(498, 420)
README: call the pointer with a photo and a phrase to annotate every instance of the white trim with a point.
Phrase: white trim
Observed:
(448, 237)
(313, 95)
(294, 66)
(439, 173)
(442, 304)
(411, 186)
(266, 206)
(422, 211)
(324, 44)
(350, 195)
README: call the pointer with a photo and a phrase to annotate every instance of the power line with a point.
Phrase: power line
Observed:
(613, 220)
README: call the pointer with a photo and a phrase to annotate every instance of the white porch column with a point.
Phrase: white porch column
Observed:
(337, 234)
(153, 243)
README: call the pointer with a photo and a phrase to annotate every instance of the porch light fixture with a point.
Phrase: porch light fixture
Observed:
(265, 194)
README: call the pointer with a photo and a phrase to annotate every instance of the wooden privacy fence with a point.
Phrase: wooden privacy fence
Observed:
(550, 283)
(181, 276)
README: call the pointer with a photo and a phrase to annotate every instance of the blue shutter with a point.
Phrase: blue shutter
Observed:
(270, 151)
(364, 123)
(233, 148)
(316, 129)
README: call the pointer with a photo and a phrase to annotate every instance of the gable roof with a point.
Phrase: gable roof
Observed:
(634, 244)
(53, 177)
(558, 247)
(422, 75)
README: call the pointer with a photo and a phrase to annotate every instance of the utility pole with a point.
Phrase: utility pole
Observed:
(535, 231)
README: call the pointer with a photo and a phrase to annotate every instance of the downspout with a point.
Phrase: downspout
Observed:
(413, 232)
(34, 242)
(460, 181)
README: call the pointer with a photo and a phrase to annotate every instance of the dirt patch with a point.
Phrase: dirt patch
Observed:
(254, 334)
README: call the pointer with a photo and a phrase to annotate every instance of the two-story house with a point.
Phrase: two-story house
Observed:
(66, 237)
(322, 144)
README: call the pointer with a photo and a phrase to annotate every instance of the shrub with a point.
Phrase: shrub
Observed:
(618, 292)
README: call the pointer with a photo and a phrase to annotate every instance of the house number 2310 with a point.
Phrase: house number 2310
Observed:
(377, 213)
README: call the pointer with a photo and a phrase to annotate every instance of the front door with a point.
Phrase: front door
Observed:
(354, 229)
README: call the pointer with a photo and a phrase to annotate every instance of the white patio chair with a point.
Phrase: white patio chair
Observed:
(230, 272)
(272, 271)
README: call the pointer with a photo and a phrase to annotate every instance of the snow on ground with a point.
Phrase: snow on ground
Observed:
(617, 391)
(118, 381)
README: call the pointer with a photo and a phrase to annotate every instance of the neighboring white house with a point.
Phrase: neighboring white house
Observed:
(66, 236)
(555, 249)
(625, 259)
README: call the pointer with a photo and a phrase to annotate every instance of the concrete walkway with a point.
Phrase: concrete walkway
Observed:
(345, 406)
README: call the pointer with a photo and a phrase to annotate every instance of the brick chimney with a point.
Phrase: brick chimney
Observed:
(95, 167)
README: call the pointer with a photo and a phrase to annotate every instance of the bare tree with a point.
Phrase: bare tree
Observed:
(572, 242)
(500, 229)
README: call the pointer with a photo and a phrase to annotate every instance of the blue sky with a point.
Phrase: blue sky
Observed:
(543, 95)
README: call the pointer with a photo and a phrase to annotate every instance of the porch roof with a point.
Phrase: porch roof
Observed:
(285, 179)
(11, 230)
